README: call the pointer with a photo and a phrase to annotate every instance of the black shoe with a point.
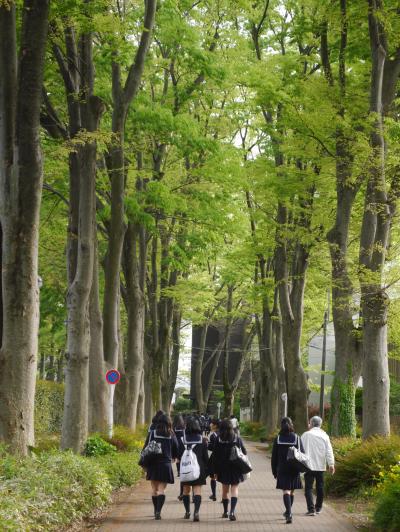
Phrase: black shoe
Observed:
(289, 519)
(318, 510)
(157, 516)
(232, 517)
(196, 516)
(213, 497)
(187, 515)
(225, 515)
(310, 512)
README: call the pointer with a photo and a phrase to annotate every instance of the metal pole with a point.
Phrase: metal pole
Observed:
(323, 362)
(111, 411)
(284, 397)
(251, 390)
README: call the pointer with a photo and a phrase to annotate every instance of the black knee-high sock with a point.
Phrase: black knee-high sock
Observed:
(197, 503)
(154, 499)
(225, 502)
(291, 500)
(213, 487)
(160, 502)
(233, 504)
(186, 503)
(286, 502)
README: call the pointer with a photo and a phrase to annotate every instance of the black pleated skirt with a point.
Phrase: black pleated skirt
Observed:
(288, 481)
(161, 472)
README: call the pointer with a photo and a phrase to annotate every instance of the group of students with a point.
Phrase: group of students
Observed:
(213, 456)
(222, 437)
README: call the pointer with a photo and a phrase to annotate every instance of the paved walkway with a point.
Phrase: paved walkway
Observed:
(259, 509)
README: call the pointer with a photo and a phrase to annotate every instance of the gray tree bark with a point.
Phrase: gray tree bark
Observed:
(20, 183)
(379, 209)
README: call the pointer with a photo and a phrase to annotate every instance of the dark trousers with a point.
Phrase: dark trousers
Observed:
(309, 478)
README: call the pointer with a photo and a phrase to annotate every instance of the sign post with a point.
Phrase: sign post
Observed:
(219, 409)
(284, 398)
(113, 377)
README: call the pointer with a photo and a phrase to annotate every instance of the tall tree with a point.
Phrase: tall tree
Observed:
(21, 74)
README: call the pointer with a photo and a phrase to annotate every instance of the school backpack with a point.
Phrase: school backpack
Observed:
(190, 469)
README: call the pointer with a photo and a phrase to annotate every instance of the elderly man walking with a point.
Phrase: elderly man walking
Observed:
(319, 450)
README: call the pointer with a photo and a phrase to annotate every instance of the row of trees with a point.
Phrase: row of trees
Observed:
(202, 161)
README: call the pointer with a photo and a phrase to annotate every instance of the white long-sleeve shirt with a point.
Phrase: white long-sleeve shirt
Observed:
(318, 447)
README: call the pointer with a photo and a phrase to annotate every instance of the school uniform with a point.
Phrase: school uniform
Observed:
(211, 442)
(225, 470)
(160, 468)
(287, 478)
(199, 447)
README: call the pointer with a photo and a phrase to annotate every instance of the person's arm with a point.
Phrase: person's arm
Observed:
(174, 448)
(205, 454)
(301, 444)
(147, 440)
(274, 459)
(241, 445)
(330, 458)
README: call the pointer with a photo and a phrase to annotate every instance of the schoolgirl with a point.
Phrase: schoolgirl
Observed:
(226, 472)
(213, 436)
(288, 479)
(159, 472)
(193, 439)
(179, 427)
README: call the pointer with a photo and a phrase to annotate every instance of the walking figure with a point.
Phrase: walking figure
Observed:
(226, 472)
(318, 447)
(159, 471)
(288, 478)
(193, 440)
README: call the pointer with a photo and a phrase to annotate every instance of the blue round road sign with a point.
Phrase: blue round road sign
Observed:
(113, 376)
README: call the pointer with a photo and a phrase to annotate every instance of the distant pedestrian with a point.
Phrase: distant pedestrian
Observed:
(225, 470)
(213, 436)
(179, 428)
(318, 447)
(193, 440)
(159, 472)
(235, 424)
(288, 478)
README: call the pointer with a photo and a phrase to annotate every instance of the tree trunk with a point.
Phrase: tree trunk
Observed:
(122, 99)
(379, 209)
(99, 389)
(291, 299)
(134, 261)
(197, 367)
(75, 420)
(21, 184)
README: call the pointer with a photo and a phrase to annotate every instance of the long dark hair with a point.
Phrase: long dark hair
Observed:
(164, 426)
(157, 416)
(178, 424)
(192, 426)
(226, 432)
(286, 426)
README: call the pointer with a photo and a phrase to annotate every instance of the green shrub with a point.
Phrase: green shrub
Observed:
(125, 439)
(361, 465)
(387, 493)
(49, 405)
(183, 404)
(254, 430)
(96, 446)
(342, 446)
(122, 469)
(48, 492)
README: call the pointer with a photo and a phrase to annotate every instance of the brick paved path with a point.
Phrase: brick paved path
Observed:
(259, 509)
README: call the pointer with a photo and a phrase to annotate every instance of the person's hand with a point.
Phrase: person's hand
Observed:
(332, 469)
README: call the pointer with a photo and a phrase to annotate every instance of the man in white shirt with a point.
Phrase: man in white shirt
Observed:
(318, 447)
